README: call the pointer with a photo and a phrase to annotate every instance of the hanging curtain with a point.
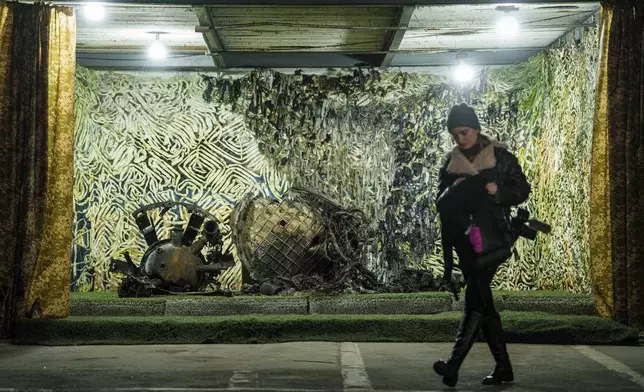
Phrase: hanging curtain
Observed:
(36, 145)
(601, 266)
(6, 266)
(618, 158)
(49, 290)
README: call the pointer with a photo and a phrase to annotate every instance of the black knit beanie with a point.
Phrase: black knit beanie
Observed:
(462, 116)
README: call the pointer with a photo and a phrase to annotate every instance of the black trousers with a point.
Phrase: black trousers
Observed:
(478, 290)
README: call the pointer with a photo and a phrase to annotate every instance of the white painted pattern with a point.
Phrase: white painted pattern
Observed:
(169, 389)
(354, 374)
(244, 379)
(145, 139)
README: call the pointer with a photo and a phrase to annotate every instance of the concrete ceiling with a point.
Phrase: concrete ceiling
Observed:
(219, 36)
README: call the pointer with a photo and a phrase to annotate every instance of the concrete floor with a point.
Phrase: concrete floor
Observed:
(310, 366)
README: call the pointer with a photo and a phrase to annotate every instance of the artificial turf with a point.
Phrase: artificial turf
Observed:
(520, 327)
(109, 304)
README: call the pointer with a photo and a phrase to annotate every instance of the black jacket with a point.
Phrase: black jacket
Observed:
(494, 163)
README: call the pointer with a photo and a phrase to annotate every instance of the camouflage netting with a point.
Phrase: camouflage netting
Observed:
(372, 140)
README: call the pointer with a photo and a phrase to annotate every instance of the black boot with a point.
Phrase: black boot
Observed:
(466, 336)
(493, 331)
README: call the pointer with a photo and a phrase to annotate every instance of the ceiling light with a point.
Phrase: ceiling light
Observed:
(463, 73)
(507, 27)
(157, 50)
(94, 11)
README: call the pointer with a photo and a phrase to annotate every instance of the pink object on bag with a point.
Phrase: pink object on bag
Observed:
(476, 239)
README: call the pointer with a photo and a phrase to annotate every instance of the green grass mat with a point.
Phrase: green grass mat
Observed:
(112, 296)
(538, 293)
(521, 327)
(109, 304)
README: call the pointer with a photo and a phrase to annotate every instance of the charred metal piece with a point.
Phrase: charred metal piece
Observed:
(147, 228)
(210, 232)
(304, 236)
(195, 222)
(136, 287)
(124, 267)
(175, 264)
(268, 288)
(166, 205)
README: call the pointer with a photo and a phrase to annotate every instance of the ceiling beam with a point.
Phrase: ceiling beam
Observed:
(173, 50)
(247, 26)
(308, 3)
(121, 60)
(396, 37)
(305, 61)
(210, 35)
(282, 51)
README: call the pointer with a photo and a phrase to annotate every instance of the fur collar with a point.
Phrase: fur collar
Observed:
(486, 159)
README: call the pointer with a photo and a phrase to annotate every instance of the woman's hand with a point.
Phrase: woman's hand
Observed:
(491, 188)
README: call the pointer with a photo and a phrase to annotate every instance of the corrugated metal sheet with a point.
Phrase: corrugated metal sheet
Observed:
(475, 58)
(130, 27)
(280, 28)
(482, 40)
(473, 27)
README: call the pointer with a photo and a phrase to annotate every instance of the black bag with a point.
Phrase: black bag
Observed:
(458, 202)
(468, 203)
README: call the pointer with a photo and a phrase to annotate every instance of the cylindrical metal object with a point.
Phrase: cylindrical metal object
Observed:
(177, 234)
(197, 246)
(215, 267)
(268, 288)
(210, 229)
(147, 229)
(192, 229)
(173, 266)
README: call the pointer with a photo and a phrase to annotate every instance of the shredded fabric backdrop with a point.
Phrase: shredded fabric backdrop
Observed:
(372, 140)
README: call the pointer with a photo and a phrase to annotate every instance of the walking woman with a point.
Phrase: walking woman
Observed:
(478, 184)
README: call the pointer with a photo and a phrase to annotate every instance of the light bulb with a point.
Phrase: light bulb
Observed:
(157, 50)
(507, 27)
(463, 73)
(94, 11)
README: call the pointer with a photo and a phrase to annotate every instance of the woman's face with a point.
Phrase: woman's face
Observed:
(465, 137)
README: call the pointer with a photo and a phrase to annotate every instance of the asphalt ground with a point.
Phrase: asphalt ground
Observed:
(311, 366)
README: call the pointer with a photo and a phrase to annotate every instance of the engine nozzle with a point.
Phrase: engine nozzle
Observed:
(209, 232)
(147, 229)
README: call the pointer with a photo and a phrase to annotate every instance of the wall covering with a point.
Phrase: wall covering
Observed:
(371, 140)
(141, 140)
